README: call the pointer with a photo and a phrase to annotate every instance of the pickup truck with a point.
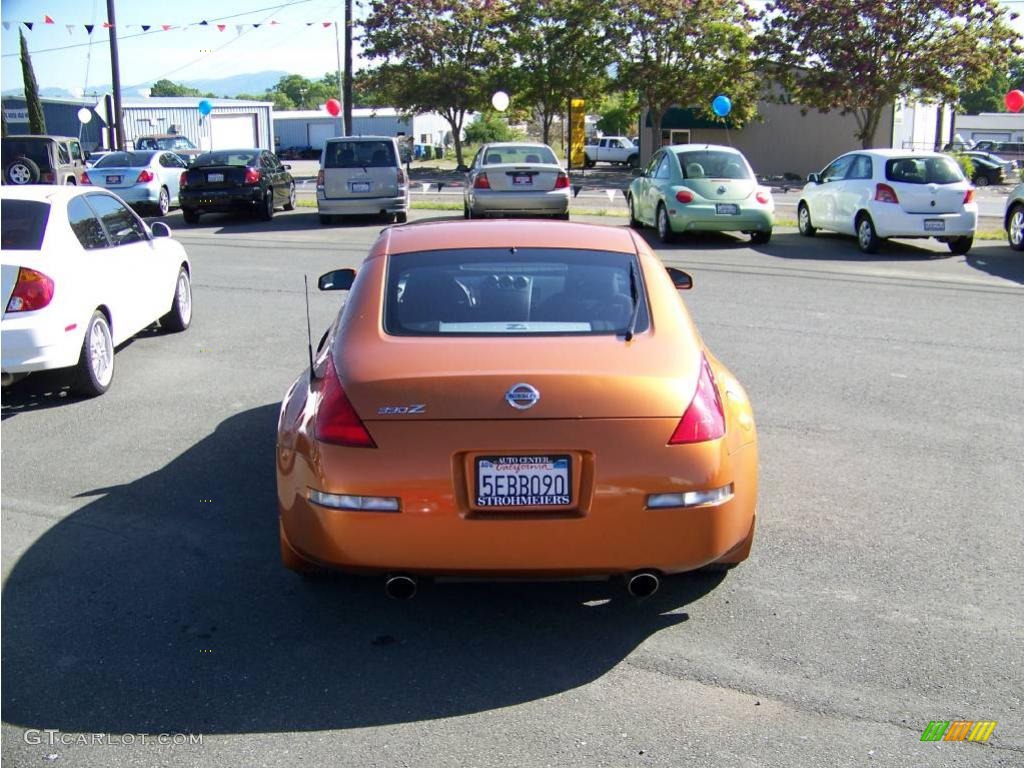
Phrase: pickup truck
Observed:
(612, 149)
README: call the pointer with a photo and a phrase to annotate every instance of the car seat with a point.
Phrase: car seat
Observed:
(694, 171)
(589, 294)
(493, 158)
(532, 159)
(432, 296)
(380, 157)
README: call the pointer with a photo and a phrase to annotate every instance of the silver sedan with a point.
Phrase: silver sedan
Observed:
(516, 179)
(144, 179)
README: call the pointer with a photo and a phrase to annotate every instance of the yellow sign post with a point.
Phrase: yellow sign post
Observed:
(577, 132)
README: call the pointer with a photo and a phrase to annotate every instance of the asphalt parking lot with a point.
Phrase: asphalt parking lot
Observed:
(142, 592)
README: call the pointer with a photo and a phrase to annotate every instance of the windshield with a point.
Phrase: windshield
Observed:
(923, 170)
(359, 154)
(124, 160)
(525, 292)
(498, 154)
(23, 224)
(240, 159)
(712, 164)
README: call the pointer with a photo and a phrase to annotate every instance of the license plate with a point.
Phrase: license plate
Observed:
(522, 181)
(113, 179)
(727, 209)
(934, 225)
(360, 186)
(523, 481)
(212, 177)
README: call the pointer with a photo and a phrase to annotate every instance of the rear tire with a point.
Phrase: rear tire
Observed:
(401, 217)
(266, 211)
(867, 238)
(95, 369)
(634, 222)
(960, 245)
(981, 181)
(290, 205)
(760, 237)
(190, 216)
(22, 171)
(180, 316)
(633, 161)
(465, 210)
(324, 220)
(665, 232)
(163, 203)
(803, 221)
(1015, 228)
(562, 216)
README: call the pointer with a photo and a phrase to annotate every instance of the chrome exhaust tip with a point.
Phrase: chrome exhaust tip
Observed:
(643, 584)
(400, 587)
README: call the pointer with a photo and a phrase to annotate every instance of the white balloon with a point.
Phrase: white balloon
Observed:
(84, 115)
(77, 92)
(499, 101)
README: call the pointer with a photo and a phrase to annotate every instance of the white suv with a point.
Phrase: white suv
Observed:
(362, 175)
(880, 193)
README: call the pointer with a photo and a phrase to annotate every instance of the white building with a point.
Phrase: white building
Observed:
(991, 126)
(309, 128)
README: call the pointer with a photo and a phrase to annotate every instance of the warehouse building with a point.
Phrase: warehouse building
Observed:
(309, 128)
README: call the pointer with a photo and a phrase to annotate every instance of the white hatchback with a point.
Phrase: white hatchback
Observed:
(876, 194)
(82, 273)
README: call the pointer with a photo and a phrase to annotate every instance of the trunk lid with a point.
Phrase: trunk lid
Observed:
(215, 176)
(359, 182)
(532, 177)
(723, 190)
(118, 177)
(931, 198)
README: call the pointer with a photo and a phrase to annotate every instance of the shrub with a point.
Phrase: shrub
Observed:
(489, 127)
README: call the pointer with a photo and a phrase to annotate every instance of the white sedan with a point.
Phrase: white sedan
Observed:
(875, 194)
(82, 273)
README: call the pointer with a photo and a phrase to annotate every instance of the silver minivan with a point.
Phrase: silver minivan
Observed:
(361, 175)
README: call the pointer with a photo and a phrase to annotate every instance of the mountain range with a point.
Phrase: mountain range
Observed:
(252, 83)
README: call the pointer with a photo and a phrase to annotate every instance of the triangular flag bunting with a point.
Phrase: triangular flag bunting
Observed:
(238, 28)
(221, 27)
(424, 187)
(611, 195)
(7, 25)
(89, 28)
(107, 25)
(165, 27)
(576, 190)
(28, 24)
(274, 23)
(309, 23)
(204, 23)
(47, 19)
(70, 28)
(255, 26)
(145, 27)
(440, 186)
(327, 24)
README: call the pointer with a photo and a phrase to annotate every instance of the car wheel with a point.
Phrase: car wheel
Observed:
(401, 217)
(587, 162)
(290, 205)
(190, 216)
(465, 210)
(163, 204)
(180, 315)
(664, 228)
(633, 161)
(803, 221)
(266, 211)
(561, 216)
(981, 181)
(95, 369)
(324, 220)
(22, 171)
(1015, 228)
(960, 245)
(867, 239)
(634, 222)
(761, 237)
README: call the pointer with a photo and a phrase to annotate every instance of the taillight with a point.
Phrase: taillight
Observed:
(763, 198)
(401, 177)
(969, 196)
(46, 177)
(684, 196)
(34, 290)
(481, 182)
(85, 178)
(183, 179)
(144, 176)
(886, 194)
(336, 420)
(562, 182)
(252, 175)
(320, 178)
(704, 419)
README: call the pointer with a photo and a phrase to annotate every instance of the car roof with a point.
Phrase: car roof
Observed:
(887, 153)
(444, 235)
(49, 136)
(692, 147)
(359, 138)
(516, 144)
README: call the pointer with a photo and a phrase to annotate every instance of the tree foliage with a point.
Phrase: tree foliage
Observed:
(36, 120)
(490, 126)
(619, 113)
(437, 55)
(990, 95)
(685, 52)
(167, 88)
(860, 56)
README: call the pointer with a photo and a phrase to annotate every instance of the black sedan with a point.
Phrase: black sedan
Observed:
(228, 180)
(987, 171)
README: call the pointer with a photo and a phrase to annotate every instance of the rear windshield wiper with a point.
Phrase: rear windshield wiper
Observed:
(635, 293)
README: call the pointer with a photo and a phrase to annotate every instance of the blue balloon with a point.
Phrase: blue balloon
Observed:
(205, 107)
(721, 106)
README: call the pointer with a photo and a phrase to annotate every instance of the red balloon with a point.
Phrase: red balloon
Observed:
(333, 107)
(1015, 101)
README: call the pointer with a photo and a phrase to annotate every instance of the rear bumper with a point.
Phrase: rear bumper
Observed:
(356, 206)
(138, 195)
(897, 223)
(222, 200)
(34, 344)
(703, 218)
(493, 202)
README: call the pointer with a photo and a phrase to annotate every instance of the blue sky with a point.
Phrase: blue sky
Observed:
(66, 60)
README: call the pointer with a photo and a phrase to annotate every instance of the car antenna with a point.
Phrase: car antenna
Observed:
(309, 332)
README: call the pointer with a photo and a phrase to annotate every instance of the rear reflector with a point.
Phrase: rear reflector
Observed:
(252, 175)
(482, 182)
(763, 197)
(183, 179)
(690, 498)
(969, 196)
(336, 420)
(145, 176)
(886, 194)
(34, 290)
(354, 503)
(85, 178)
(705, 419)
(684, 196)
(562, 182)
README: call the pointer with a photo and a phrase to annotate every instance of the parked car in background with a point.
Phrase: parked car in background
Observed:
(1013, 219)
(173, 142)
(362, 175)
(144, 179)
(1008, 150)
(986, 171)
(500, 400)
(516, 179)
(618, 150)
(93, 157)
(876, 194)
(701, 188)
(236, 180)
(81, 274)
(41, 159)
(1009, 166)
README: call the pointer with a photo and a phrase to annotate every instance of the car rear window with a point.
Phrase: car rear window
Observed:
(124, 160)
(923, 170)
(23, 224)
(497, 155)
(712, 164)
(240, 159)
(38, 151)
(359, 154)
(517, 292)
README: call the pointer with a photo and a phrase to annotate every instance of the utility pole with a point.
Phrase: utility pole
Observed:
(341, 86)
(346, 96)
(115, 77)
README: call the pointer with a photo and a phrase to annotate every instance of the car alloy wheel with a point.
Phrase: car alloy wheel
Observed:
(804, 221)
(19, 174)
(1015, 232)
(664, 228)
(867, 239)
(101, 352)
(163, 205)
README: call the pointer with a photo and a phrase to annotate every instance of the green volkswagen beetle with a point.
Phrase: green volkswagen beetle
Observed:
(700, 187)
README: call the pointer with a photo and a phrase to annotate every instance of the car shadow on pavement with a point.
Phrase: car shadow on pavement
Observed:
(301, 219)
(161, 606)
(1000, 262)
(39, 391)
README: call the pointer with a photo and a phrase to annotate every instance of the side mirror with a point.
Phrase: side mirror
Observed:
(337, 280)
(159, 229)
(812, 178)
(681, 280)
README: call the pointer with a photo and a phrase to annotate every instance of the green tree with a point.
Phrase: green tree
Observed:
(490, 126)
(36, 121)
(167, 88)
(439, 56)
(860, 56)
(685, 52)
(561, 52)
(989, 96)
(304, 93)
(619, 113)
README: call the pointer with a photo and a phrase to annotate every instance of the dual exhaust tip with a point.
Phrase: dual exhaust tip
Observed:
(639, 585)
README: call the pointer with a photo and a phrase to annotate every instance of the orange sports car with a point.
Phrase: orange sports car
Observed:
(501, 399)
